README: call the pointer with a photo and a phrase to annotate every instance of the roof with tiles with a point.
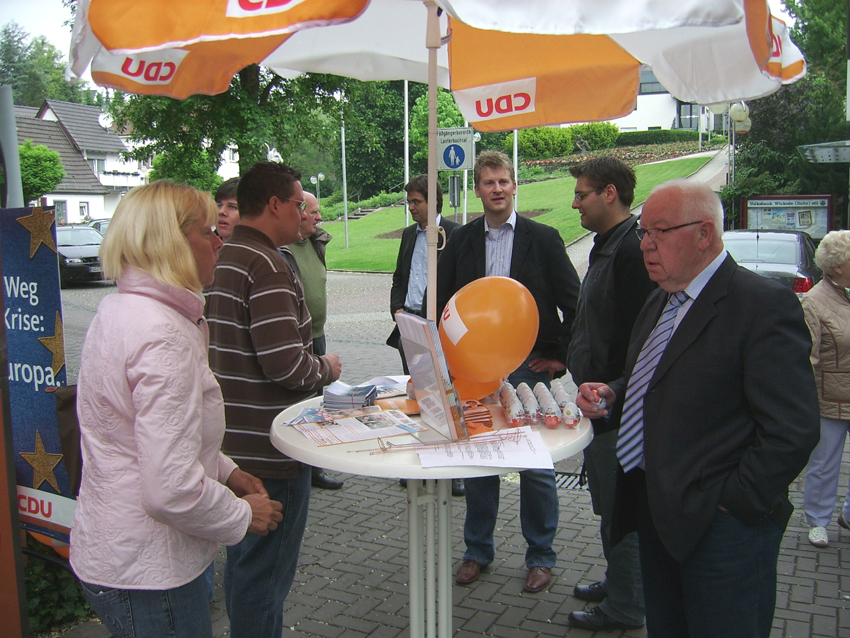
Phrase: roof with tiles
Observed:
(81, 123)
(25, 111)
(79, 177)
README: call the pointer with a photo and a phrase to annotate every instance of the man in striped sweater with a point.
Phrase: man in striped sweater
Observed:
(261, 353)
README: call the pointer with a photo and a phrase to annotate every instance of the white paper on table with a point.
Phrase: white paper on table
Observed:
(379, 424)
(516, 447)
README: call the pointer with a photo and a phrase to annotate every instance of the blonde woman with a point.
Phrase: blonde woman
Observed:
(827, 308)
(157, 496)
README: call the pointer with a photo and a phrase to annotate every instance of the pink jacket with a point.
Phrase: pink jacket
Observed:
(152, 508)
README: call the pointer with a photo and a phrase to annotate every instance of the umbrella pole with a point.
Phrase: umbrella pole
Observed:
(433, 44)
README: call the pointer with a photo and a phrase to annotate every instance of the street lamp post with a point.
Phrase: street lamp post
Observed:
(317, 180)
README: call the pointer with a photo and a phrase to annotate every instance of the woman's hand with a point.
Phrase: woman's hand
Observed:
(241, 483)
(265, 514)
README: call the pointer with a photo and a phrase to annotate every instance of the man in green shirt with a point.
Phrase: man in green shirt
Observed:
(308, 260)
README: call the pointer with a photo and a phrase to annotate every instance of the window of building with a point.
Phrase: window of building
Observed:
(649, 84)
(84, 211)
(97, 165)
(61, 211)
(233, 154)
(688, 116)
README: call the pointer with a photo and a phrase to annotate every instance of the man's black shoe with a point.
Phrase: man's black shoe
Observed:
(594, 593)
(322, 480)
(597, 620)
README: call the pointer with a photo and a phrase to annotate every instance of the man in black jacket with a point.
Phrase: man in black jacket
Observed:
(614, 290)
(411, 269)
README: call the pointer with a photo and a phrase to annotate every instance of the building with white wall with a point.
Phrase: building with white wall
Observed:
(96, 177)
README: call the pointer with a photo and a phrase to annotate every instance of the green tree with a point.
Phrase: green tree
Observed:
(374, 136)
(260, 108)
(41, 170)
(809, 111)
(820, 30)
(448, 116)
(35, 69)
(187, 166)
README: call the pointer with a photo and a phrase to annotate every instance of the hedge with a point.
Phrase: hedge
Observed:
(639, 138)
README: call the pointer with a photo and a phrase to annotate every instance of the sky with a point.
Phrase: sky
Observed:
(45, 17)
(40, 17)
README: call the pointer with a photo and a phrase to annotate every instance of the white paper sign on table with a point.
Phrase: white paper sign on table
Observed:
(518, 447)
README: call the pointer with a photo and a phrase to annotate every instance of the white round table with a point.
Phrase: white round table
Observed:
(429, 499)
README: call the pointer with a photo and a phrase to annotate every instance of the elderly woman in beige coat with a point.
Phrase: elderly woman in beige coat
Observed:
(827, 309)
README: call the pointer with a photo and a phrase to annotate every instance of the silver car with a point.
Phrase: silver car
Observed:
(785, 255)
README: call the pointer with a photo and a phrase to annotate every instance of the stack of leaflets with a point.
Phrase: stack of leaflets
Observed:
(341, 396)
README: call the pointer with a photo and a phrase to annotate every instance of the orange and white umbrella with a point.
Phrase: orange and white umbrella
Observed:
(572, 61)
(509, 63)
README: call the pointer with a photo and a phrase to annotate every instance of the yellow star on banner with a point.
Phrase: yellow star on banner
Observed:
(42, 463)
(39, 223)
(56, 345)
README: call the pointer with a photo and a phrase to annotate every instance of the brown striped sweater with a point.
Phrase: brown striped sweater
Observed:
(260, 348)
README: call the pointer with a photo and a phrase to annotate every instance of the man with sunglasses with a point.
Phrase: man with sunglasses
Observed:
(613, 292)
(261, 351)
(718, 414)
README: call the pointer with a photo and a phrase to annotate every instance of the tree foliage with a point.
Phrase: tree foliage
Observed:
(448, 116)
(809, 111)
(41, 170)
(820, 30)
(188, 166)
(374, 136)
(260, 108)
(35, 69)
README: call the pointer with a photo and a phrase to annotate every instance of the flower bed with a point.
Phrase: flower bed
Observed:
(631, 155)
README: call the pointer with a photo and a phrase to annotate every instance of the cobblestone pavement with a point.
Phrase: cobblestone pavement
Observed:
(352, 575)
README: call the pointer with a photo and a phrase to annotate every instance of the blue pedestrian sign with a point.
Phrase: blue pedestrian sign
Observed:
(455, 149)
(453, 156)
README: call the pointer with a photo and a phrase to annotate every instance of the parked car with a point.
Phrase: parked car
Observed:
(78, 248)
(785, 255)
(99, 225)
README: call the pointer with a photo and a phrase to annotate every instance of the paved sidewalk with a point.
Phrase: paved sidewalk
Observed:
(352, 575)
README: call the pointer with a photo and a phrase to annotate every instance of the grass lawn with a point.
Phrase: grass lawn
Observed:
(369, 252)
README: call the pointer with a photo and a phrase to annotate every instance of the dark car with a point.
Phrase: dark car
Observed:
(785, 255)
(78, 254)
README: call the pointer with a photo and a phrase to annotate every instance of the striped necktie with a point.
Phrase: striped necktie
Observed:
(630, 441)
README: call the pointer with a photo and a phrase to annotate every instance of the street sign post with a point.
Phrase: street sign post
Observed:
(455, 149)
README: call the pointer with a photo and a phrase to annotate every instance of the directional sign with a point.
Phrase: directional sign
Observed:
(455, 149)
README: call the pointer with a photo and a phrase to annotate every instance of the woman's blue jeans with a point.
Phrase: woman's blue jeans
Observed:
(181, 612)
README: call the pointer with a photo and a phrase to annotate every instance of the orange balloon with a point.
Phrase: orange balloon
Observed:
(488, 328)
(467, 389)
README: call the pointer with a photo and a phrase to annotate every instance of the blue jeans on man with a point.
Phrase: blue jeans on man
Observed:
(539, 505)
(260, 569)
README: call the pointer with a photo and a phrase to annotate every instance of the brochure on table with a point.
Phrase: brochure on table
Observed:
(435, 394)
(333, 427)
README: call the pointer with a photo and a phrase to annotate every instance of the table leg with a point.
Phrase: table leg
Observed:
(444, 558)
(430, 506)
(430, 567)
